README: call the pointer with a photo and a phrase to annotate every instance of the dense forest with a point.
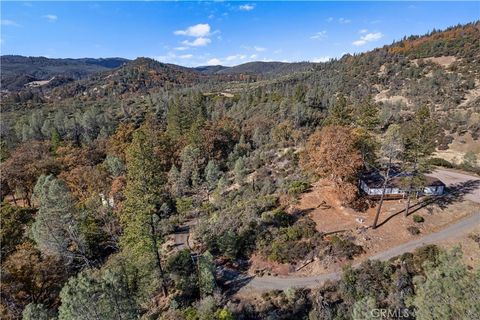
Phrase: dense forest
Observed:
(103, 160)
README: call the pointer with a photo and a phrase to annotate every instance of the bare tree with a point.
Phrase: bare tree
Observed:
(391, 148)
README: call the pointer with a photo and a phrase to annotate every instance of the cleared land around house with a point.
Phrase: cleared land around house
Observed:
(459, 229)
(453, 216)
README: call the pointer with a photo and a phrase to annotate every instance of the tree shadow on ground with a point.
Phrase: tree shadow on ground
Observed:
(231, 280)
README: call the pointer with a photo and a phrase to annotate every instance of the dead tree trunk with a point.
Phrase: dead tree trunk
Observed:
(382, 197)
(410, 187)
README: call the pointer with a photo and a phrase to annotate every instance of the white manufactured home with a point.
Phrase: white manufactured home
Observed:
(371, 184)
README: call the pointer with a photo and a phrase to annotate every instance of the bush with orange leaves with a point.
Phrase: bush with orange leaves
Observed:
(332, 152)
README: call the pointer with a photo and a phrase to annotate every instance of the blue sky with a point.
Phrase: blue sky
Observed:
(228, 33)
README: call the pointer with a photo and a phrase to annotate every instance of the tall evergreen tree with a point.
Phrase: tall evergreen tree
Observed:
(340, 114)
(190, 172)
(175, 182)
(99, 295)
(206, 274)
(239, 170)
(419, 140)
(212, 174)
(145, 194)
(56, 227)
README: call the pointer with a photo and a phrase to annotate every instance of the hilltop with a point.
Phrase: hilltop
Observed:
(19, 71)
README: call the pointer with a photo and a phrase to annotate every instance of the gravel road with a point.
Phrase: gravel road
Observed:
(281, 283)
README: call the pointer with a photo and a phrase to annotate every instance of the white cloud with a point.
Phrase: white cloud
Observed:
(6, 22)
(236, 57)
(319, 35)
(363, 31)
(232, 60)
(214, 61)
(339, 20)
(321, 59)
(369, 37)
(198, 30)
(50, 17)
(181, 48)
(259, 49)
(247, 7)
(169, 58)
(198, 42)
(186, 56)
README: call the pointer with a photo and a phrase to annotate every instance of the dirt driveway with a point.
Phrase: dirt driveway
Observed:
(457, 179)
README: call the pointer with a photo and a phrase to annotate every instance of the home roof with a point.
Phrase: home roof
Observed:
(375, 180)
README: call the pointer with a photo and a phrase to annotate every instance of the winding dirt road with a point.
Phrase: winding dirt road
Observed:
(280, 283)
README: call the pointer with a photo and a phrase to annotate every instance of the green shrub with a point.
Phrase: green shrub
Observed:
(224, 314)
(229, 244)
(297, 187)
(418, 219)
(184, 205)
(428, 253)
(277, 217)
(440, 162)
(344, 248)
(290, 244)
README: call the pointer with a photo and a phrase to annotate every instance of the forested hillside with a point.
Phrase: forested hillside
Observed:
(103, 172)
(18, 71)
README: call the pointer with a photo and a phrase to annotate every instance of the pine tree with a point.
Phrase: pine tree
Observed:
(419, 140)
(206, 276)
(221, 185)
(145, 194)
(98, 295)
(175, 182)
(55, 139)
(239, 170)
(364, 309)
(114, 165)
(56, 227)
(449, 290)
(36, 312)
(340, 113)
(190, 172)
(368, 116)
(212, 174)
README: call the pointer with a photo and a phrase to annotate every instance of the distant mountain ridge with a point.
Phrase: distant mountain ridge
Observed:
(440, 68)
(271, 68)
(17, 71)
(259, 68)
